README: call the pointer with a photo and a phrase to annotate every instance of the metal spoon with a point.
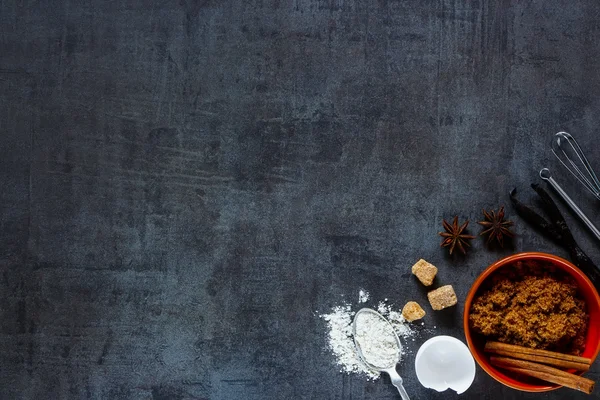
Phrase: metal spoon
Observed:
(388, 369)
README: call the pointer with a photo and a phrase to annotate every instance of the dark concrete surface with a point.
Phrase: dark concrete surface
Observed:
(186, 185)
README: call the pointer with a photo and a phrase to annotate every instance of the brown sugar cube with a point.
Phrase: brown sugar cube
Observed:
(442, 297)
(424, 271)
(412, 311)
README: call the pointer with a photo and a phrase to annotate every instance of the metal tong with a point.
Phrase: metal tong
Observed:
(556, 230)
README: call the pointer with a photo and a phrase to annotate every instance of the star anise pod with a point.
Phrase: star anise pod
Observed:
(495, 227)
(454, 236)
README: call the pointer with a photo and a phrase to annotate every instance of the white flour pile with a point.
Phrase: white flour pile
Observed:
(341, 341)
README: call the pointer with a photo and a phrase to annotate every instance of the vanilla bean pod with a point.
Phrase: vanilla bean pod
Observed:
(556, 230)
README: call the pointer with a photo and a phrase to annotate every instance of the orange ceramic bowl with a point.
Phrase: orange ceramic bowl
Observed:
(586, 288)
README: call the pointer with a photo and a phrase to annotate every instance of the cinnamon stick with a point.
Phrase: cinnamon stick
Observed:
(541, 356)
(492, 347)
(544, 372)
(585, 387)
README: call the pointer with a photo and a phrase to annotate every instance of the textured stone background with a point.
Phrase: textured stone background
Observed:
(186, 185)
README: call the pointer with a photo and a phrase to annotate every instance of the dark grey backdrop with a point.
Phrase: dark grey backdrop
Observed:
(186, 184)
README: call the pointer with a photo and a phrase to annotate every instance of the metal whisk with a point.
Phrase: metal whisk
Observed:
(570, 154)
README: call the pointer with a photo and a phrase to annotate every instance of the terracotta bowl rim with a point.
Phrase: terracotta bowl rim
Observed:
(568, 267)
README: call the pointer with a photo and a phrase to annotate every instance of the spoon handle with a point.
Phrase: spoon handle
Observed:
(397, 381)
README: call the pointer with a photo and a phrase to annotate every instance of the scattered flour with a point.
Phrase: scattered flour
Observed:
(400, 324)
(341, 340)
(363, 296)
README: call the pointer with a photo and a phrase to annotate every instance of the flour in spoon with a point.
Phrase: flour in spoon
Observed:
(377, 340)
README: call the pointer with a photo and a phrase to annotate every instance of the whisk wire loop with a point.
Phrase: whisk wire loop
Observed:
(571, 156)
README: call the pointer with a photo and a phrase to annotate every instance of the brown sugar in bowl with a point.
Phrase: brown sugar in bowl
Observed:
(476, 342)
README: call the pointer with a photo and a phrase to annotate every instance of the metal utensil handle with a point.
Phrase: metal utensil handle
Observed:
(397, 381)
(545, 175)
